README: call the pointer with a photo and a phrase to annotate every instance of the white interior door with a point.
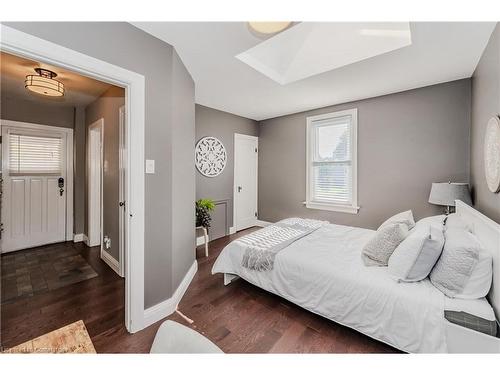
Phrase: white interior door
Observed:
(35, 186)
(245, 180)
(95, 161)
(123, 193)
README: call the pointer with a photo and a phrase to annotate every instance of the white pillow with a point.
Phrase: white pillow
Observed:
(380, 247)
(426, 222)
(414, 258)
(464, 269)
(405, 217)
(455, 221)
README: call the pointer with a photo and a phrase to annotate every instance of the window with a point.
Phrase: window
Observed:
(331, 162)
(34, 155)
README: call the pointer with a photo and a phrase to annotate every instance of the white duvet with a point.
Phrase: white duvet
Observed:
(323, 272)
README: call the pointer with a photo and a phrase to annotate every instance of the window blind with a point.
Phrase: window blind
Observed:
(332, 161)
(34, 155)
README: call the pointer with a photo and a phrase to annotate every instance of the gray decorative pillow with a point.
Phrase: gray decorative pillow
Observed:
(381, 246)
(456, 263)
(405, 217)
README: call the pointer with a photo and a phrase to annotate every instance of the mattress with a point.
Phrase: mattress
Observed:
(324, 273)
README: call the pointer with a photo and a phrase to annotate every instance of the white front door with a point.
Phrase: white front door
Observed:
(34, 188)
(245, 180)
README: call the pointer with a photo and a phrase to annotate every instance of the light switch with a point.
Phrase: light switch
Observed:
(150, 166)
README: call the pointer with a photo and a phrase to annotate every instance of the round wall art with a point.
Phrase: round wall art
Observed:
(210, 156)
(492, 154)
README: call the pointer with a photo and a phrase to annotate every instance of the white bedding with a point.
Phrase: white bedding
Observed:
(323, 272)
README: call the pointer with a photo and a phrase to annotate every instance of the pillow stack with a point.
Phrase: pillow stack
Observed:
(389, 235)
(442, 248)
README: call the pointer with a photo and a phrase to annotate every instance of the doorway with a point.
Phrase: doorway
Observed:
(37, 169)
(246, 149)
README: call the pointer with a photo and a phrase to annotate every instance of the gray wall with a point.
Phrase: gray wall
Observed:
(183, 185)
(42, 112)
(107, 107)
(124, 45)
(222, 125)
(485, 104)
(80, 183)
(406, 141)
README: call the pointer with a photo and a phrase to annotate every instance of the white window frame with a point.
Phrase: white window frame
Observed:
(310, 203)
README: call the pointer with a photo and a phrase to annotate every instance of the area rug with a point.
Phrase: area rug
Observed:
(73, 338)
(30, 272)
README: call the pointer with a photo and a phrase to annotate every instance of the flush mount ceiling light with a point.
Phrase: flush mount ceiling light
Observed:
(44, 83)
(269, 27)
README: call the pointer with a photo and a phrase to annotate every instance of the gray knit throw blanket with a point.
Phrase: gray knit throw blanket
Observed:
(262, 246)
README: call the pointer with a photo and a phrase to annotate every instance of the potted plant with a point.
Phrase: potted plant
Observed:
(203, 209)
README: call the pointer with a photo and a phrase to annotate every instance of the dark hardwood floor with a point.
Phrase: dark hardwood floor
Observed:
(99, 302)
(239, 318)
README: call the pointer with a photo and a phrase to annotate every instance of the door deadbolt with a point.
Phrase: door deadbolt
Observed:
(60, 183)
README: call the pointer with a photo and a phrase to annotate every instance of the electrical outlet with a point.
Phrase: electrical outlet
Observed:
(107, 242)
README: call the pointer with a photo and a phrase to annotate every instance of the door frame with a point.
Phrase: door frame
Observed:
(238, 136)
(26, 45)
(68, 132)
(94, 205)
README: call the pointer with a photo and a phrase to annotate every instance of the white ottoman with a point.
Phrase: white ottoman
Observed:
(173, 337)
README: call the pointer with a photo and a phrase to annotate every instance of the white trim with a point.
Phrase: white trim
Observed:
(167, 307)
(85, 240)
(353, 207)
(110, 261)
(31, 47)
(332, 207)
(256, 139)
(68, 132)
(232, 230)
(78, 237)
(262, 223)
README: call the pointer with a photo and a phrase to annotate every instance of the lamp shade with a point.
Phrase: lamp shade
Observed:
(445, 193)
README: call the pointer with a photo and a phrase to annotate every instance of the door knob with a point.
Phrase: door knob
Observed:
(239, 189)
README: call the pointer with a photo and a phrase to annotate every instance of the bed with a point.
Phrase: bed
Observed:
(323, 273)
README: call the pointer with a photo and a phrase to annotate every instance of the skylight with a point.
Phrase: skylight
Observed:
(308, 49)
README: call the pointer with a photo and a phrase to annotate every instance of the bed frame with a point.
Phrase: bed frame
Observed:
(460, 339)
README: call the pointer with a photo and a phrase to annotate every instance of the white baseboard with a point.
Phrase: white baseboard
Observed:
(78, 237)
(110, 261)
(262, 223)
(167, 307)
(85, 239)
(232, 230)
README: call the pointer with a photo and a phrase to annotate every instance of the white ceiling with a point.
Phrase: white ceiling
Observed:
(440, 52)
(78, 89)
(311, 48)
